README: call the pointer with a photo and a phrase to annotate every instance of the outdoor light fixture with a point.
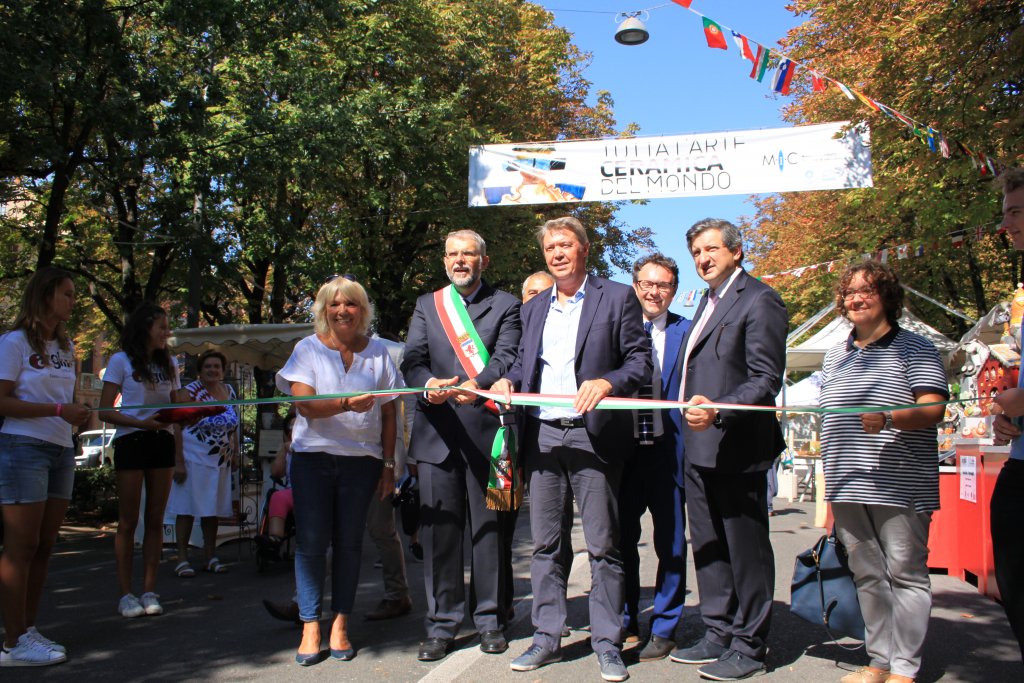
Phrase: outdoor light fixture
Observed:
(631, 30)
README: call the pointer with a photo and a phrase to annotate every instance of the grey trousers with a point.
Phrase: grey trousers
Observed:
(380, 523)
(560, 463)
(888, 549)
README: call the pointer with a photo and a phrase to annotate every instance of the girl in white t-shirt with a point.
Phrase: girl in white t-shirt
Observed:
(37, 458)
(143, 373)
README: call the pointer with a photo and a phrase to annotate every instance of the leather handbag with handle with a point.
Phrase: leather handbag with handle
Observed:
(823, 591)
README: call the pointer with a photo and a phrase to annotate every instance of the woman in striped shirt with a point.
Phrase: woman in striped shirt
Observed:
(881, 467)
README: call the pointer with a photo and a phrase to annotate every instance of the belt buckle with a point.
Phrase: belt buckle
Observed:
(567, 422)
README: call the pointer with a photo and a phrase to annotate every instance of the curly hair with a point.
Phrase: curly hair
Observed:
(135, 343)
(35, 307)
(213, 353)
(882, 278)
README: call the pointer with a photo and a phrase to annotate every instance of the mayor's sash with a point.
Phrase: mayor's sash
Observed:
(505, 483)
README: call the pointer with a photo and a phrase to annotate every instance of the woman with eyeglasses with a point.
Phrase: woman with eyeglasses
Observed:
(881, 471)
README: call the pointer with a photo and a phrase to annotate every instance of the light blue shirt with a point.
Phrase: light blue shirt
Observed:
(558, 351)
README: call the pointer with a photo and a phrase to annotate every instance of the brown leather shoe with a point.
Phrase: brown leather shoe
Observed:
(389, 609)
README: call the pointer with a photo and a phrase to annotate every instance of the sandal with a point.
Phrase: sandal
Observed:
(184, 570)
(215, 567)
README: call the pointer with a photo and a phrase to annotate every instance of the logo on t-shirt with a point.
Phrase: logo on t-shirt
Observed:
(57, 361)
(158, 376)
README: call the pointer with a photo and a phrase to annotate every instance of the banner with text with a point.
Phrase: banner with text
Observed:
(818, 157)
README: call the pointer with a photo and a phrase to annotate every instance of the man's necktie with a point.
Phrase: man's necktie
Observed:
(645, 416)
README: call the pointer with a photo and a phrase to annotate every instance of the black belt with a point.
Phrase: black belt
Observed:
(565, 422)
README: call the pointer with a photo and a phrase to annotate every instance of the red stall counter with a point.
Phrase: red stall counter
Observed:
(960, 540)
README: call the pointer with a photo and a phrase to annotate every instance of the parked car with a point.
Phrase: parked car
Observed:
(94, 448)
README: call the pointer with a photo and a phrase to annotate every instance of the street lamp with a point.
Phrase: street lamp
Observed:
(631, 30)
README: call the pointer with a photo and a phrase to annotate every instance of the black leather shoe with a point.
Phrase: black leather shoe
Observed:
(283, 611)
(433, 649)
(703, 652)
(732, 666)
(493, 642)
(656, 648)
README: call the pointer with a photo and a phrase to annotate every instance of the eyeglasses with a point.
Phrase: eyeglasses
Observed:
(663, 287)
(348, 276)
(863, 293)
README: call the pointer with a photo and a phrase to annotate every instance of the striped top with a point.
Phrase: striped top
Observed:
(894, 467)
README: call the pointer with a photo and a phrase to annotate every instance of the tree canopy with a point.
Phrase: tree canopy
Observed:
(225, 156)
(956, 66)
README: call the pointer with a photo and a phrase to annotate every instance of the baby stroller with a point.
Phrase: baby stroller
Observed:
(271, 550)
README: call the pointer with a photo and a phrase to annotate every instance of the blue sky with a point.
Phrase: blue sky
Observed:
(675, 84)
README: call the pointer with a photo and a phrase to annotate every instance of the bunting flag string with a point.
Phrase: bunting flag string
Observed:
(786, 68)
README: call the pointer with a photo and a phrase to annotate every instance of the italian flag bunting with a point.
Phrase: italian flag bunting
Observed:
(760, 63)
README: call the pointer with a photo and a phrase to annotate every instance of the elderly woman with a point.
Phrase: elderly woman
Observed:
(881, 470)
(202, 470)
(343, 454)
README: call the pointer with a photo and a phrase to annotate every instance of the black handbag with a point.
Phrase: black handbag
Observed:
(823, 591)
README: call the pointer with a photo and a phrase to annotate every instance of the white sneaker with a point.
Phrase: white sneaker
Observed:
(40, 638)
(130, 606)
(30, 652)
(151, 604)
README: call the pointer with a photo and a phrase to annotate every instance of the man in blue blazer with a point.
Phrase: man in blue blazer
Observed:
(583, 338)
(653, 477)
(734, 352)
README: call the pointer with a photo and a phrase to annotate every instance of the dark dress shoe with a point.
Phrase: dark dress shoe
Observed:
(433, 649)
(732, 666)
(284, 611)
(493, 642)
(389, 609)
(656, 648)
(307, 660)
(346, 655)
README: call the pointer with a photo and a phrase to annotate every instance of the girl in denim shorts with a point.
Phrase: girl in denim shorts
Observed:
(37, 460)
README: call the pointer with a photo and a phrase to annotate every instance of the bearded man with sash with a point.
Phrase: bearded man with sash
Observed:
(463, 336)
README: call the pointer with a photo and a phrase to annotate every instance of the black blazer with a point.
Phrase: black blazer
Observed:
(442, 429)
(739, 357)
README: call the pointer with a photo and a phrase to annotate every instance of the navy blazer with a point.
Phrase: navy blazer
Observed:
(675, 332)
(610, 345)
(739, 357)
(444, 428)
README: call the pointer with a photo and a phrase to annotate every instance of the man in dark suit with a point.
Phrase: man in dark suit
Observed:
(734, 352)
(653, 478)
(582, 338)
(464, 336)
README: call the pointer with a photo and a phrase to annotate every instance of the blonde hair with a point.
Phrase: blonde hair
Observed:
(349, 290)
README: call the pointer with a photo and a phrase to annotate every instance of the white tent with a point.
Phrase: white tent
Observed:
(810, 354)
(264, 346)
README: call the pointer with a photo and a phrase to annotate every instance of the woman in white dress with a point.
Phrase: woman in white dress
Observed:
(202, 473)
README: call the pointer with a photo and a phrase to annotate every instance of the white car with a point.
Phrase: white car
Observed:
(94, 448)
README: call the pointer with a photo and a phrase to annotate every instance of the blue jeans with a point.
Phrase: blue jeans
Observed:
(332, 494)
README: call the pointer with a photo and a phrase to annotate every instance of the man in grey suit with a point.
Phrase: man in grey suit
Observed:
(462, 336)
(584, 338)
(734, 352)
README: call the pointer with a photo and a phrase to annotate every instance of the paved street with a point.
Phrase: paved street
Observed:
(215, 629)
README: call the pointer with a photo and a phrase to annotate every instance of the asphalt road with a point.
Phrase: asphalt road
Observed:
(215, 629)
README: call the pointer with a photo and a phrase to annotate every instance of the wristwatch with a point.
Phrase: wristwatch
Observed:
(390, 464)
(888, 420)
